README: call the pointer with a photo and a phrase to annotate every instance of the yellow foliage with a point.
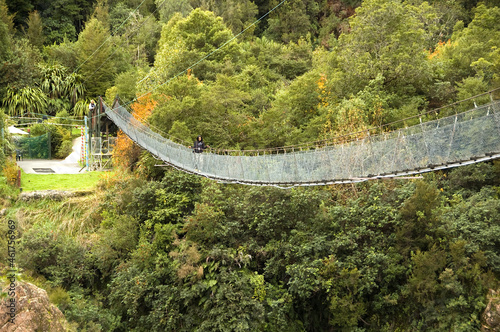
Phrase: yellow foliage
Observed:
(10, 171)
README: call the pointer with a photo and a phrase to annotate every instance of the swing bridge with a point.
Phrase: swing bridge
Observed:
(455, 135)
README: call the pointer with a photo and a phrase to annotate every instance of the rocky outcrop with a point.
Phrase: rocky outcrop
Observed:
(31, 311)
(56, 195)
(491, 316)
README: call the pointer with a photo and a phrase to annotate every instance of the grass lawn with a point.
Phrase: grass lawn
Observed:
(83, 181)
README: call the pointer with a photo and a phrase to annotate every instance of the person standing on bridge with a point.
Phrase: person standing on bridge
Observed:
(91, 106)
(199, 145)
(198, 148)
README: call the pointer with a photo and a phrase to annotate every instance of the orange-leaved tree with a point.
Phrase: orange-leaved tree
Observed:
(126, 153)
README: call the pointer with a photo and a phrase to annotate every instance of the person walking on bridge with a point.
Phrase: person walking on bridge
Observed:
(199, 145)
(198, 148)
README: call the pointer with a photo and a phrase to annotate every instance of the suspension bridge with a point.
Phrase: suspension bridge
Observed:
(463, 138)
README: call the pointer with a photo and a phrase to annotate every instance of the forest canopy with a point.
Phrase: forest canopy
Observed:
(242, 76)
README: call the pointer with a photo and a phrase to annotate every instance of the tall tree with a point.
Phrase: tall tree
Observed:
(142, 34)
(5, 54)
(120, 15)
(63, 18)
(96, 66)
(144, 7)
(186, 41)
(63, 54)
(35, 30)
(292, 20)
(438, 19)
(21, 69)
(5, 17)
(385, 39)
(167, 8)
(20, 10)
(237, 14)
(5, 50)
(473, 50)
(101, 13)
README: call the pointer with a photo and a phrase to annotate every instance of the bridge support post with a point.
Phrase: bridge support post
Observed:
(87, 146)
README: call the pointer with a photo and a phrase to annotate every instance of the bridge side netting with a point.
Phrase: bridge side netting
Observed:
(465, 136)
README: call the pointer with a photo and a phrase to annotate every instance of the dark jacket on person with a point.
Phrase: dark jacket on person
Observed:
(199, 145)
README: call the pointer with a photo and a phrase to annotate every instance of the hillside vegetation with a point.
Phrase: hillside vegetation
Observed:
(154, 249)
(184, 254)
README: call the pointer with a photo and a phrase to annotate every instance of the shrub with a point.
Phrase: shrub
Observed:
(10, 171)
(64, 149)
(56, 256)
(57, 135)
(61, 115)
(89, 314)
(59, 297)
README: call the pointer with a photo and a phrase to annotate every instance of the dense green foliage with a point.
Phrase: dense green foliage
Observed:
(159, 250)
(297, 74)
(184, 254)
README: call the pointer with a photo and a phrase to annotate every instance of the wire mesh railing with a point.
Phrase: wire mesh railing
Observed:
(466, 137)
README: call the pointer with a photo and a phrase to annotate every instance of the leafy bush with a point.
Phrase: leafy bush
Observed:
(64, 149)
(117, 239)
(57, 135)
(56, 256)
(167, 201)
(89, 313)
(59, 297)
(61, 115)
(10, 171)
(469, 179)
